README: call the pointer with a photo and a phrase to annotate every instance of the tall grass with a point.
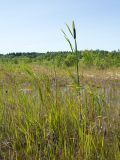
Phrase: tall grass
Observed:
(34, 126)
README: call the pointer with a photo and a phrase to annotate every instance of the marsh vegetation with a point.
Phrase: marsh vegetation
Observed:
(42, 116)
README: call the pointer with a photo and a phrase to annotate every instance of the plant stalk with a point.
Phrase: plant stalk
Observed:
(77, 63)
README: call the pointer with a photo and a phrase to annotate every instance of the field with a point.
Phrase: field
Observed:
(45, 115)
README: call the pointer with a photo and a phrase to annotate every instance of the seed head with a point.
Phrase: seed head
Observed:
(74, 30)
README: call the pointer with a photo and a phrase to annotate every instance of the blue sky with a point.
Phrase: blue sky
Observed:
(35, 25)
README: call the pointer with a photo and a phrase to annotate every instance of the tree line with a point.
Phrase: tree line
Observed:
(87, 58)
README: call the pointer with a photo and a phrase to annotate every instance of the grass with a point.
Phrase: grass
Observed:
(42, 116)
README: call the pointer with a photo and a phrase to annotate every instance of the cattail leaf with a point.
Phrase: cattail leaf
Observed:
(63, 32)
(69, 43)
(69, 29)
(67, 39)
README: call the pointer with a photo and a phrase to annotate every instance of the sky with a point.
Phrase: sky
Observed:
(35, 25)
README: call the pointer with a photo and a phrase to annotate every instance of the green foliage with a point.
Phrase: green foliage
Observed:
(100, 59)
(88, 58)
(41, 120)
(70, 60)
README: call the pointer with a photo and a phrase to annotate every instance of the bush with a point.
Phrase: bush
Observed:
(70, 60)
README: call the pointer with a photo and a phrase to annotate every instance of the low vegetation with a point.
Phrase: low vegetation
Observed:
(42, 116)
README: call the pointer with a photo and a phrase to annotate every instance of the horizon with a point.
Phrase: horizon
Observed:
(60, 51)
(35, 26)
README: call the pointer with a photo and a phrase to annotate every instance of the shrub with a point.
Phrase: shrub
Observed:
(70, 60)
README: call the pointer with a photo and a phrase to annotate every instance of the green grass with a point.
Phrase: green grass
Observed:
(40, 119)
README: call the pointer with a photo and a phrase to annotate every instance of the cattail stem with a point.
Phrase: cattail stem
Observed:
(77, 63)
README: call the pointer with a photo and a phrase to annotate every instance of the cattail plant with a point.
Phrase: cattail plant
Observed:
(74, 50)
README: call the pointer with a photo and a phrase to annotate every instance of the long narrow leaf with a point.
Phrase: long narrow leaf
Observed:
(69, 43)
(67, 39)
(69, 29)
(63, 32)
